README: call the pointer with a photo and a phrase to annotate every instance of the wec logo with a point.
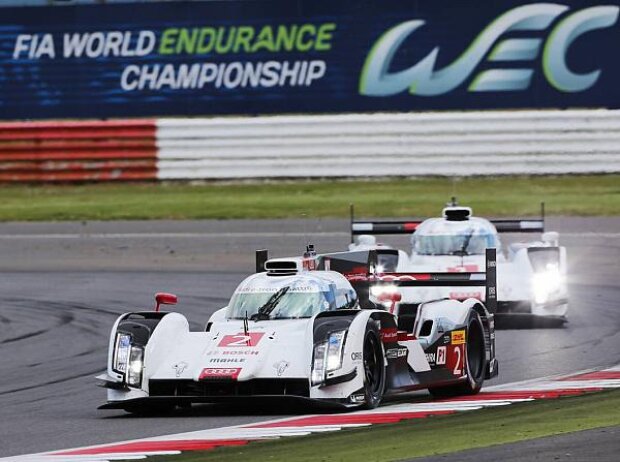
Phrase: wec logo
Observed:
(424, 79)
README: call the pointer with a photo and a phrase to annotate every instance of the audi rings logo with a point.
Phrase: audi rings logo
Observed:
(561, 26)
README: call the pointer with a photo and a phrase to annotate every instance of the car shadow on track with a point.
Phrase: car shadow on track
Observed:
(511, 321)
(258, 409)
(266, 408)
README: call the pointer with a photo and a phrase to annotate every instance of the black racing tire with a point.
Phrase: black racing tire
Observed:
(475, 364)
(374, 367)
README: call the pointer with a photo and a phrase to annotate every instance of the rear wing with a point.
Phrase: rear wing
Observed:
(363, 271)
(532, 225)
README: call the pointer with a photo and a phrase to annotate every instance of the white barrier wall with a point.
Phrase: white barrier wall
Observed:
(468, 143)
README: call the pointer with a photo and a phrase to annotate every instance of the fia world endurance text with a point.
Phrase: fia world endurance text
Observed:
(193, 42)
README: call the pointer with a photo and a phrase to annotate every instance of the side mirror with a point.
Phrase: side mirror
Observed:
(163, 298)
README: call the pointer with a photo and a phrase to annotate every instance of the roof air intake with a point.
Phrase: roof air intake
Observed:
(457, 213)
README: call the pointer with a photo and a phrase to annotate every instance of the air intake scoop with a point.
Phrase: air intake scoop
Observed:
(457, 213)
(283, 267)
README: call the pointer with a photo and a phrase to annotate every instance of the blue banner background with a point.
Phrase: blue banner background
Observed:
(61, 87)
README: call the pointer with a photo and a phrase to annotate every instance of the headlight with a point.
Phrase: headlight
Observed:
(546, 283)
(335, 345)
(328, 356)
(122, 346)
(318, 363)
(134, 371)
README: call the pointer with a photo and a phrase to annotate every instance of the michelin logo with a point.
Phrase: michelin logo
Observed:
(424, 79)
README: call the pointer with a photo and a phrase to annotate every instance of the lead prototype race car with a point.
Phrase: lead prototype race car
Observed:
(531, 275)
(306, 328)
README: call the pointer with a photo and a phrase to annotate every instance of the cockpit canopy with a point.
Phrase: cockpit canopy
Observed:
(439, 236)
(302, 295)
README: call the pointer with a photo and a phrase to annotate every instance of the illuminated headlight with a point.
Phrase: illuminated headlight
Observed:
(134, 371)
(122, 347)
(328, 356)
(335, 345)
(546, 283)
(318, 363)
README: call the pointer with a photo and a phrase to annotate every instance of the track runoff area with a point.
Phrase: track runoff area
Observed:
(501, 395)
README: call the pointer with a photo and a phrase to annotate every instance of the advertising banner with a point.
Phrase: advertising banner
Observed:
(319, 56)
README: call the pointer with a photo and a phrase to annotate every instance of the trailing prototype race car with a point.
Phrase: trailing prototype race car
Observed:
(531, 275)
(306, 329)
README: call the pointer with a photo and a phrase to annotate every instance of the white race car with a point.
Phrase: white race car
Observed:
(531, 275)
(296, 332)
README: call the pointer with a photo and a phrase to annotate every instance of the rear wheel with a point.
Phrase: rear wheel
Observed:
(374, 368)
(475, 364)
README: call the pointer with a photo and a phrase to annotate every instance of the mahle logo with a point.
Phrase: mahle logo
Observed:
(424, 79)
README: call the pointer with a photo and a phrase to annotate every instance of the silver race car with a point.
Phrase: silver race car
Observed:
(308, 328)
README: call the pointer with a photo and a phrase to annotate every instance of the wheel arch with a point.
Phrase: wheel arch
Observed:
(154, 331)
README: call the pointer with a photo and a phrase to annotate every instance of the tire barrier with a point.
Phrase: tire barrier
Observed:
(411, 144)
(325, 146)
(119, 150)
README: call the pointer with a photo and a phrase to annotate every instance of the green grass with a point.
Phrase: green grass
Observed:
(564, 195)
(435, 435)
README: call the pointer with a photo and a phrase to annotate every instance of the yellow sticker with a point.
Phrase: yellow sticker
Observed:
(457, 337)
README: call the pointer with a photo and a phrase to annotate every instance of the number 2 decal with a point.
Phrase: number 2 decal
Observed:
(241, 340)
(244, 340)
(459, 361)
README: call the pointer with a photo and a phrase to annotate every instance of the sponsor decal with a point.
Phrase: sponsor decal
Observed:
(394, 353)
(457, 337)
(179, 368)
(227, 360)
(241, 340)
(220, 373)
(441, 355)
(456, 359)
(553, 30)
(430, 357)
(389, 334)
(243, 352)
(280, 367)
(446, 338)
(356, 356)
(296, 288)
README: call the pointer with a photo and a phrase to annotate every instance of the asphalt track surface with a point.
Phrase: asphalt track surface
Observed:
(63, 284)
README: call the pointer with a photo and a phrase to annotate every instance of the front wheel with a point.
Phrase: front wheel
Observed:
(374, 368)
(475, 364)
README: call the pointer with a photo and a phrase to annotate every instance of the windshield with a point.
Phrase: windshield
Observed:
(451, 244)
(284, 303)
